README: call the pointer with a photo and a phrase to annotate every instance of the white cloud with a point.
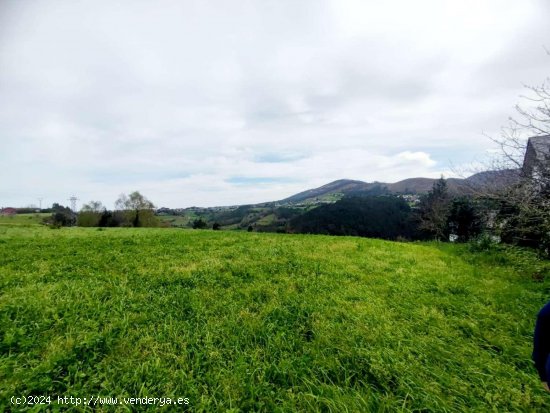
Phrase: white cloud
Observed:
(176, 99)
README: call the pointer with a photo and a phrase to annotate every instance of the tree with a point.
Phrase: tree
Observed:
(93, 206)
(385, 217)
(90, 214)
(464, 220)
(110, 219)
(135, 201)
(433, 211)
(199, 224)
(136, 210)
(524, 146)
(61, 216)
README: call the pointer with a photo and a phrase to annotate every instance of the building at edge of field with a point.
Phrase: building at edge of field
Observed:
(8, 211)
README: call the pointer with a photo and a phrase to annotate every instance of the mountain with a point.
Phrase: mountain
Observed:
(411, 186)
(275, 216)
(336, 190)
(494, 179)
(332, 189)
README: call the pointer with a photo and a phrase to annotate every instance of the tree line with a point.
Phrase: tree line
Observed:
(133, 210)
(438, 216)
(496, 215)
(516, 212)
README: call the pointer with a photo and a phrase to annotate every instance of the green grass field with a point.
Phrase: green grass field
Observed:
(175, 221)
(25, 220)
(238, 321)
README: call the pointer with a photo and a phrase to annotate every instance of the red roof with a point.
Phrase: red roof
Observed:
(8, 211)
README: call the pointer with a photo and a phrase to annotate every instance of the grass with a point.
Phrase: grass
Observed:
(175, 220)
(24, 220)
(267, 220)
(240, 321)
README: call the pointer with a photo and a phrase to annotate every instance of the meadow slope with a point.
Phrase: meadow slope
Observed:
(240, 321)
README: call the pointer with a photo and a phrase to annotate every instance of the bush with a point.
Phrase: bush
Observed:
(199, 224)
(88, 219)
(483, 242)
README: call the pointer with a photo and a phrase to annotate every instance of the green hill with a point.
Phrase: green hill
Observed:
(238, 321)
(277, 215)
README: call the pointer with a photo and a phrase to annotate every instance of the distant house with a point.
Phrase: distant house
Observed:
(537, 156)
(8, 211)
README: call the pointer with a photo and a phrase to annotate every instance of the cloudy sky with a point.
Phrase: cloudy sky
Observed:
(230, 102)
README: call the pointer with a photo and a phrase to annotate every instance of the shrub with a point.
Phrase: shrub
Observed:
(483, 242)
(199, 224)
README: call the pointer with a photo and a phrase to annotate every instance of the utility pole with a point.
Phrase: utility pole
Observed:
(40, 203)
(73, 200)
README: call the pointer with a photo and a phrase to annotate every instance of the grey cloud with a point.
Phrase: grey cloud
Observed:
(177, 97)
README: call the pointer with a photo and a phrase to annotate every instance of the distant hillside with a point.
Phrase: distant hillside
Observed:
(334, 191)
(494, 178)
(387, 217)
(276, 216)
(417, 186)
(337, 189)
(411, 186)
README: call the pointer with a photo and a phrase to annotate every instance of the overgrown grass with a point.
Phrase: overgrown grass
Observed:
(267, 322)
(175, 220)
(24, 220)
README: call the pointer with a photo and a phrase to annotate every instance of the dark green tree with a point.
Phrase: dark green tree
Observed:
(61, 216)
(433, 211)
(384, 217)
(199, 224)
(464, 219)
